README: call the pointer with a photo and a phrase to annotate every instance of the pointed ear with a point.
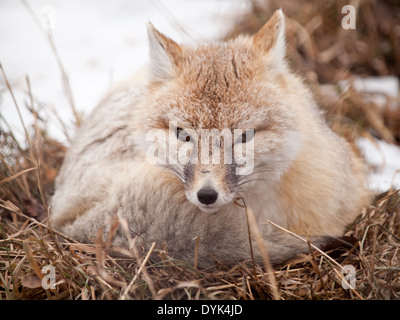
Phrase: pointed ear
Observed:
(270, 39)
(164, 55)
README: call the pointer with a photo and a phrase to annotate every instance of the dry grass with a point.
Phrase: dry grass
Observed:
(91, 271)
(87, 271)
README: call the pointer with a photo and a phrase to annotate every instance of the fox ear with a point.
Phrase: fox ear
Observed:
(270, 39)
(164, 55)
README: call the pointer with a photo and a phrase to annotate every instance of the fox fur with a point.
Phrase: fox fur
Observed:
(305, 178)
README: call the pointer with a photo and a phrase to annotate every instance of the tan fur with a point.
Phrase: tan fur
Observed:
(305, 179)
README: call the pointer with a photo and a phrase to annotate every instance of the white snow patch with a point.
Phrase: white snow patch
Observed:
(384, 164)
(378, 89)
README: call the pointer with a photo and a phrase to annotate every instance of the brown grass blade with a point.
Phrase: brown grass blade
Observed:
(14, 176)
(264, 253)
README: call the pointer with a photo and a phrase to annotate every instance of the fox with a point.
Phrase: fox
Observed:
(296, 172)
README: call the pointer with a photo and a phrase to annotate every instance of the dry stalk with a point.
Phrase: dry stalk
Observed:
(339, 273)
(264, 253)
(131, 284)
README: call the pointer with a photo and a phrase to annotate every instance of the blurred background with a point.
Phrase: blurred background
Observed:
(60, 58)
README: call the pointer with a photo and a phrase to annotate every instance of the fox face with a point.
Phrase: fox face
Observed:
(222, 113)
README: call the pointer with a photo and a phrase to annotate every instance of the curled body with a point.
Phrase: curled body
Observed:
(148, 153)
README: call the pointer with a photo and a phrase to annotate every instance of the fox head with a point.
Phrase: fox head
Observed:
(227, 112)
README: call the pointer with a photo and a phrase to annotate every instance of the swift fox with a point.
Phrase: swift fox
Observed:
(148, 153)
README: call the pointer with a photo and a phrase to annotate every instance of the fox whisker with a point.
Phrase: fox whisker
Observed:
(175, 169)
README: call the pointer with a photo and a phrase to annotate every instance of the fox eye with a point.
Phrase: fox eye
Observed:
(182, 135)
(247, 136)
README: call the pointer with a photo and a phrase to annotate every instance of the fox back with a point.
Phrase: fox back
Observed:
(173, 150)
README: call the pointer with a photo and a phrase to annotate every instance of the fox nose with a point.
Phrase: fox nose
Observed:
(207, 196)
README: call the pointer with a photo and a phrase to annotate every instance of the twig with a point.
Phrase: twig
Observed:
(304, 240)
(15, 103)
(34, 150)
(248, 232)
(323, 253)
(315, 266)
(13, 208)
(64, 75)
(17, 175)
(264, 253)
(126, 292)
(196, 251)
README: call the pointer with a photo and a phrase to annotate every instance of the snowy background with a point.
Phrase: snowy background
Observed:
(101, 42)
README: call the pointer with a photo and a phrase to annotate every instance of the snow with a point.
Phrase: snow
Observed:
(384, 164)
(379, 89)
(382, 158)
(387, 85)
(101, 42)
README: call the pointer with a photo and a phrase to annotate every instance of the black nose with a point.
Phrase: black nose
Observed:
(207, 196)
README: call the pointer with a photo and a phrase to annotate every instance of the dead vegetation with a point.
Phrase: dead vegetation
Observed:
(326, 54)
